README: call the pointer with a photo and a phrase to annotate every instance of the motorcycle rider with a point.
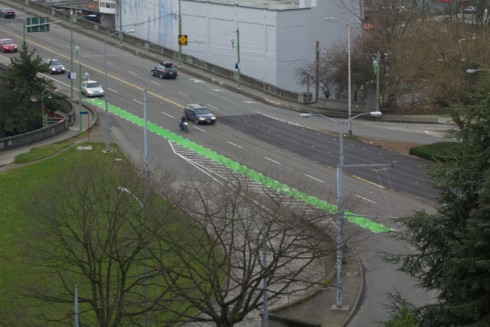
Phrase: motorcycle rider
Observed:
(182, 121)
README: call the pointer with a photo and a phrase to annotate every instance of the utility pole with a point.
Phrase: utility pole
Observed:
(77, 48)
(120, 23)
(238, 56)
(180, 33)
(317, 68)
(265, 314)
(377, 68)
(71, 48)
(146, 175)
(76, 306)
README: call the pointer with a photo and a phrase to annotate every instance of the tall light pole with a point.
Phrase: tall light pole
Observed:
(77, 49)
(339, 223)
(349, 75)
(71, 48)
(145, 294)
(237, 64)
(377, 67)
(180, 33)
(106, 85)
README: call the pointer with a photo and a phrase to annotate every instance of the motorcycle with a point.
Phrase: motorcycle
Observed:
(184, 127)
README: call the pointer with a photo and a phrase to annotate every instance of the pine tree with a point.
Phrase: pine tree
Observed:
(20, 84)
(452, 254)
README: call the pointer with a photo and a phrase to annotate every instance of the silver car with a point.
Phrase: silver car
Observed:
(92, 89)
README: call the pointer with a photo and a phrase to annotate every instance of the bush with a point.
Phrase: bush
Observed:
(440, 152)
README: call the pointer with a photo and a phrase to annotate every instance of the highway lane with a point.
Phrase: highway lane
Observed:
(164, 103)
(407, 175)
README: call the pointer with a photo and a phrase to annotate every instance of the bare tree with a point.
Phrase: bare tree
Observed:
(201, 252)
(93, 222)
(247, 237)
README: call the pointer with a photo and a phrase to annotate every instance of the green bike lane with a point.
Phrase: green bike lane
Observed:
(241, 169)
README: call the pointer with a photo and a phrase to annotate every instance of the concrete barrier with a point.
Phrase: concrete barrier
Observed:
(13, 142)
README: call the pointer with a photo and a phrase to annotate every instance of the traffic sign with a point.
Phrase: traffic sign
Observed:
(182, 39)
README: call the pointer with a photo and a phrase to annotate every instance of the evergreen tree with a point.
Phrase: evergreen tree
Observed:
(452, 254)
(21, 83)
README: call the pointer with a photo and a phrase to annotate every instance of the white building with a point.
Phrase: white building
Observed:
(275, 37)
(107, 7)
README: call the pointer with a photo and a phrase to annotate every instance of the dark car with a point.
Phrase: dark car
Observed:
(7, 13)
(199, 114)
(164, 70)
(55, 66)
(7, 45)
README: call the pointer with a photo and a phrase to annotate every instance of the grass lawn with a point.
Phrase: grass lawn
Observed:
(18, 268)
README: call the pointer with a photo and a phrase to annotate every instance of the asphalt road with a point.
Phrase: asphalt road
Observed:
(408, 174)
(262, 137)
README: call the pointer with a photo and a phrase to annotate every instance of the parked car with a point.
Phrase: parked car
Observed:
(91, 89)
(55, 66)
(469, 9)
(199, 114)
(7, 45)
(164, 70)
(7, 13)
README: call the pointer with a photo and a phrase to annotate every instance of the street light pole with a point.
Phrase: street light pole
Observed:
(349, 75)
(145, 294)
(77, 49)
(106, 85)
(339, 223)
(180, 33)
(377, 67)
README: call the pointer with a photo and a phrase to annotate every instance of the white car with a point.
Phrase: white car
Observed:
(92, 89)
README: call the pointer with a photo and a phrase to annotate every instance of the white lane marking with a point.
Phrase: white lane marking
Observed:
(365, 199)
(132, 73)
(249, 102)
(110, 63)
(319, 180)
(156, 83)
(368, 181)
(200, 129)
(276, 162)
(234, 144)
(433, 134)
(112, 90)
(55, 80)
(183, 94)
(164, 113)
(195, 80)
(210, 105)
(217, 90)
(137, 101)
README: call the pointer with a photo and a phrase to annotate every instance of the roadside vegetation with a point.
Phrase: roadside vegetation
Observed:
(22, 93)
(141, 250)
(452, 256)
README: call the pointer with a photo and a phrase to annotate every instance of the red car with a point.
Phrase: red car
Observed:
(7, 13)
(7, 45)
